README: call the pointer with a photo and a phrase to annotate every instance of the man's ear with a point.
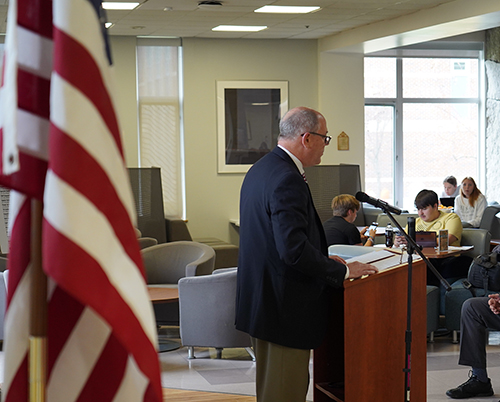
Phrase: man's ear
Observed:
(305, 139)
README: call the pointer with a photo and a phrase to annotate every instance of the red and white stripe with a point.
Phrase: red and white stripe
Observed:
(101, 328)
(24, 135)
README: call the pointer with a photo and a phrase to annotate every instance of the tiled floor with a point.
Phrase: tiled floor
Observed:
(235, 372)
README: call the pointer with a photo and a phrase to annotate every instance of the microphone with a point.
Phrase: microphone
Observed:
(377, 203)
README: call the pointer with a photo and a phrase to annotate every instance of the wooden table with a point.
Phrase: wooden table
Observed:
(164, 295)
(431, 252)
(494, 243)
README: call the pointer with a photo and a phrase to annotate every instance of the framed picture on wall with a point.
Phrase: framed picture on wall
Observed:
(248, 116)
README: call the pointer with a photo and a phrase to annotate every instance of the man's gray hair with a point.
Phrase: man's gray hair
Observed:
(298, 121)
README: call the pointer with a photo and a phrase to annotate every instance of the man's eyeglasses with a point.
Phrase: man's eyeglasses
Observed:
(326, 138)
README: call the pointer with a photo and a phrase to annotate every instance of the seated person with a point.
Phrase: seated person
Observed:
(479, 314)
(451, 190)
(470, 204)
(431, 219)
(340, 229)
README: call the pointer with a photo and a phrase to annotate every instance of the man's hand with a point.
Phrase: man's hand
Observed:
(358, 269)
(494, 303)
(337, 258)
(399, 241)
(362, 233)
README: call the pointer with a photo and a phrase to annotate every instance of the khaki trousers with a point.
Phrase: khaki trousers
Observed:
(282, 372)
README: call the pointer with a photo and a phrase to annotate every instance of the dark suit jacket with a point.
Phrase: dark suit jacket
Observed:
(283, 270)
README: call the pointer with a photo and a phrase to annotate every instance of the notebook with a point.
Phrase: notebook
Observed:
(426, 239)
(447, 202)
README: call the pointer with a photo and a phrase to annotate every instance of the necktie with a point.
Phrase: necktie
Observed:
(304, 177)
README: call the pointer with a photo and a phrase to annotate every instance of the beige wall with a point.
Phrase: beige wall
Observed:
(123, 48)
(213, 198)
(341, 100)
(332, 83)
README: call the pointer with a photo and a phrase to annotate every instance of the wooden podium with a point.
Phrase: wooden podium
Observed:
(363, 355)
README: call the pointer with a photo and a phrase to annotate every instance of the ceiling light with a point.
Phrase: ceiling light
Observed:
(239, 28)
(287, 9)
(115, 5)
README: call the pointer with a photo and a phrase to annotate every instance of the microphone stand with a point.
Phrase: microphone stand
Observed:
(412, 247)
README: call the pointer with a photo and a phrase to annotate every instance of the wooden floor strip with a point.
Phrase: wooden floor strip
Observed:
(180, 395)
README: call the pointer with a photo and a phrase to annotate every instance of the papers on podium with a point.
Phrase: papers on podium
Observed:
(384, 258)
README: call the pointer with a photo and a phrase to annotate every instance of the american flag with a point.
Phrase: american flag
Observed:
(101, 330)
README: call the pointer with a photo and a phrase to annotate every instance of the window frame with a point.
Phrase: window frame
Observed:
(454, 52)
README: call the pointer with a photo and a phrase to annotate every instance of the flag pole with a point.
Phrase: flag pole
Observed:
(38, 319)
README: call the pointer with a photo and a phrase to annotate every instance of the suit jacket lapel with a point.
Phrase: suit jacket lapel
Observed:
(282, 154)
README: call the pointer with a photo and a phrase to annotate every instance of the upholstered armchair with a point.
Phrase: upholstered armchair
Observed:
(454, 298)
(166, 263)
(226, 254)
(490, 222)
(145, 241)
(207, 312)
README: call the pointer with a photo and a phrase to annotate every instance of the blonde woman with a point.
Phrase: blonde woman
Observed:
(470, 204)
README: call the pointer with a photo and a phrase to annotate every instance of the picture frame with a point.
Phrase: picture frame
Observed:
(248, 116)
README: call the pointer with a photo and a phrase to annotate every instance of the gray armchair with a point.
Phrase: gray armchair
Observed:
(207, 312)
(454, 298)
(166, 263)
(146, 242)
(490, 222)
(226, 254)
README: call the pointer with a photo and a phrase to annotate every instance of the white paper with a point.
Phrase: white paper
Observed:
(383, 259)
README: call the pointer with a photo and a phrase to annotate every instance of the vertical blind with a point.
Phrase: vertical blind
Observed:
(160, 116)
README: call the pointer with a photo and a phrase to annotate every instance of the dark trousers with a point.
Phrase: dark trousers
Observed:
(475, 320)
(451, 269)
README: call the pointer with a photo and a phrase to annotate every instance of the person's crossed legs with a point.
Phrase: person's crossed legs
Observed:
(476, 318)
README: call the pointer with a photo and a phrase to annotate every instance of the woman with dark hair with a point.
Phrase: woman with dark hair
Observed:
(470, 204)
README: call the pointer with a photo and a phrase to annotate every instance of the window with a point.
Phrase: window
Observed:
(160, 117)
(422, 123)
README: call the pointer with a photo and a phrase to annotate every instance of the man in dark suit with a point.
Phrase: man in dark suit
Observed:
(284, 272)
